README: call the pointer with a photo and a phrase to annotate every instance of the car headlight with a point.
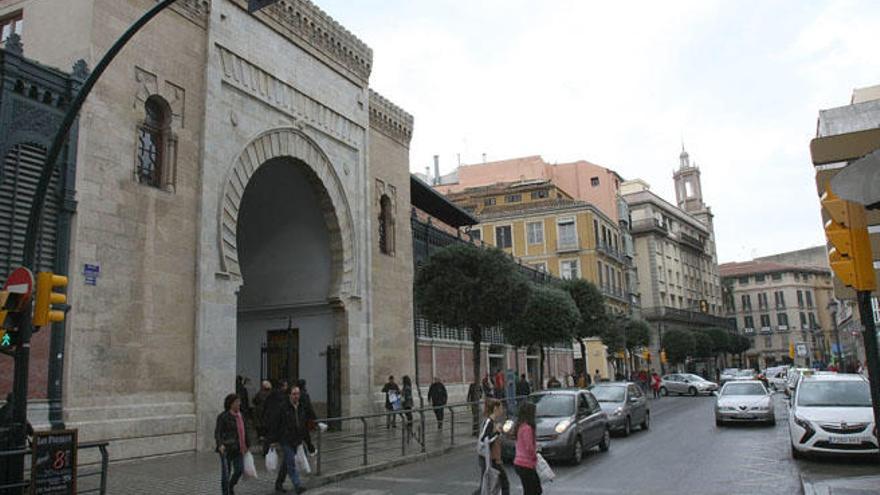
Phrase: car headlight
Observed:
(563, 425)
(618, 411)
(803, 423)
(507, 426)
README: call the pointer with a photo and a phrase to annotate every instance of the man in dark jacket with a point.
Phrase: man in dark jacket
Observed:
(437, 397)
(293, 433)
(272, 423)
(392, 395)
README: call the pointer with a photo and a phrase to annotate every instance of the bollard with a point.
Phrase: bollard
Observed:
(451, 426)
(318, 460)
(364, 423)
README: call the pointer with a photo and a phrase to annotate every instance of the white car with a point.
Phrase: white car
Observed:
(792, 378)
(832, 414)
(777, 378)
(744, 401)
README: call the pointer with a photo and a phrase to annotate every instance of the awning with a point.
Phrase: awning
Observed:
(427, 199)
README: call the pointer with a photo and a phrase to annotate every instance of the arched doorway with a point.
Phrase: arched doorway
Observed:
(287, 314)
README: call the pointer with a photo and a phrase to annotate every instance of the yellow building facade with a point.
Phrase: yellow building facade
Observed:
(544, 227)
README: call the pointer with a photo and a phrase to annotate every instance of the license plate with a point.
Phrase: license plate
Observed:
(846, 440)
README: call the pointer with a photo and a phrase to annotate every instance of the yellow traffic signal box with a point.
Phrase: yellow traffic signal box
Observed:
(46, 298)
(850, 254)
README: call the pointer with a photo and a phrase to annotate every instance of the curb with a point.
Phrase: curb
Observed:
(382, 466)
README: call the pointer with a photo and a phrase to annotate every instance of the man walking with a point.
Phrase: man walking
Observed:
(437, 397)
(272, 413)
(293, 434)
(392, 401)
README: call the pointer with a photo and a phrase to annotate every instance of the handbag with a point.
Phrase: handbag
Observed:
(544, 472)
(302, 462)
(271, 460)
(483, 445)
(250, 470)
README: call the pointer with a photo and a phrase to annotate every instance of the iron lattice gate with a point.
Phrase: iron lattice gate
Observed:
(334, 384)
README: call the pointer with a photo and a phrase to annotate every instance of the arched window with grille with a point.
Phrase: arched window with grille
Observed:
(155, 144)
(386, 226)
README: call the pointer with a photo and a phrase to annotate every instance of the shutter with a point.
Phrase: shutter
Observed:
(18, 180)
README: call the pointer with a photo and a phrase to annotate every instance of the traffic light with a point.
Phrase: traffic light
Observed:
(46, 298)
(646, 355)
(850, 255)
(704, 306)
(4, 296)
(663, 356)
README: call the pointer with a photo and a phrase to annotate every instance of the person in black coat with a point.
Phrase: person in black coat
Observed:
(392, 394)
(230, 437)
(437, 397)
(292, 432)
(272, 424)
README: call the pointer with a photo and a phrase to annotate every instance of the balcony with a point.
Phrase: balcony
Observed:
(666, 313)
(766, 329)
(609, 250)
(691, 241)
(567, 246)
(648, 225)
(782, 328)
(748, 331)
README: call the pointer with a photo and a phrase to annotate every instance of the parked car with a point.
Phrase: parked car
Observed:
(777, 377)
(745, 375)
(831, 414)
(686, 383)
(792, 378)
(727, 374)
(568, 423)
(744, 401)
(624, 404)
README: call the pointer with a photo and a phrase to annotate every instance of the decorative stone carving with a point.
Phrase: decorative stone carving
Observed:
(81, 70)
(13, 44)
(306, 22)
(147, 84)
(291, 143)
(255, 81)
(196, 11)
(390, 119)
(28, 118)
(176, 97)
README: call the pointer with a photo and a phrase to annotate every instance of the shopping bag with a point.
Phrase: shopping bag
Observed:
(483, 445)
(544, 472)
(272, 460)
(394, 399)
(491, 484)
(250, 470)
(302, 461)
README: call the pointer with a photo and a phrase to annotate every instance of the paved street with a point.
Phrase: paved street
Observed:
(682, 453)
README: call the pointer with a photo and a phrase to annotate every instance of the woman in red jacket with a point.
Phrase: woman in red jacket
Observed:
(526, 450)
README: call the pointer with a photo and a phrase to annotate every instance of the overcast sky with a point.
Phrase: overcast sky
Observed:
(621, 84)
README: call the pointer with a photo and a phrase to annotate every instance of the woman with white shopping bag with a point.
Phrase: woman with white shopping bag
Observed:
(493, 475)
(527, 450)
(230, 436)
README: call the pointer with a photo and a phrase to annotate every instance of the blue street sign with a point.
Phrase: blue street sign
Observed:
(91, 272)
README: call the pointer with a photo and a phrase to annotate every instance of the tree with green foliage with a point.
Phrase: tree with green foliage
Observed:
(679, 344)
(720, 342)
(549, 317)
(638, 334)
(463, 286)
(593, 314)
(738, 344)
(702, 345)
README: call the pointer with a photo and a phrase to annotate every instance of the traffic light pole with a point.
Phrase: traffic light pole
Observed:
(25, 328)
(871, 355)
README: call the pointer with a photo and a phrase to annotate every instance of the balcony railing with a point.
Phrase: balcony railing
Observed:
(609, 250)
(691, 241)
(648, 225)
(782, 328)
(749, 331)
(766, 329)
(666, 313)
(567, 245)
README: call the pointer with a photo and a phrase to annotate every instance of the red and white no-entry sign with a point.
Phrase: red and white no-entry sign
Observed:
(21, 283)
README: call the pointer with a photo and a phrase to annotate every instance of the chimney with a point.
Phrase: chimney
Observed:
(458, 157)
(428, 175)
(484, 158)
(436, 169)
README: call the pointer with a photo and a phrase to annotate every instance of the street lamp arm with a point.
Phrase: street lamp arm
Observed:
(36, 212)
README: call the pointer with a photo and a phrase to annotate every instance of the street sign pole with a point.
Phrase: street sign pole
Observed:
(871, 356)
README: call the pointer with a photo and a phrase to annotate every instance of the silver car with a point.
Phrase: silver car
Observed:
(624, 404)
(686, 383)
(744, 401)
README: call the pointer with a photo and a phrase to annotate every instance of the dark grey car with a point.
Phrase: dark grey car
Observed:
(569, 422)
(624, 404)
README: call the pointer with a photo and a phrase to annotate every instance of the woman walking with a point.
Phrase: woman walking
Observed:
(655, 384)
(407, 403)
(231, 443)
(489, 446)
(526, 450)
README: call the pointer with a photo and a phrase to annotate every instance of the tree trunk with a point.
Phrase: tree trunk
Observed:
(584, 369)
(541, 377)
(477, 339)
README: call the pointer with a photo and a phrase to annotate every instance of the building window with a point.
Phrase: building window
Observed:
(567, 233)
(11, 24)
(746, 302)
(386, 226)
(608, 281)
(779, 297)
(568, 269)
(743, 280)
(535, 232)
(765, 321)
(489, 202)
(797, 276)
(768, 341)
(154, 144)
(540, 194)
(601, 274)
(513, 198)
(762, 300)
(748, 322)
(594, 181)
(476, 234)
(803, 320)
(809, 298)
(776, 276)
(782, 319)
(812, 318)
(800, 297)
(759, 278)
(503, 239)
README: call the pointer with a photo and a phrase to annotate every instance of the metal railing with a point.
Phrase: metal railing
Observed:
(387, 437)
(101, 472)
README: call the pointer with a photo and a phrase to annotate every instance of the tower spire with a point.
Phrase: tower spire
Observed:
(684, 158)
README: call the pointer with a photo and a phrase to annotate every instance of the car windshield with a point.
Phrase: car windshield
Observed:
(834, 394)
(729, 371)
(552, 405)
(743, 389)
(744, 373)
(608, 394)
(694, 378)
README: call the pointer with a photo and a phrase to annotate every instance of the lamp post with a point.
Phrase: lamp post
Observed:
(833, 307)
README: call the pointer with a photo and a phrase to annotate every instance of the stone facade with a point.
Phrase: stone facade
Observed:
(182, 303)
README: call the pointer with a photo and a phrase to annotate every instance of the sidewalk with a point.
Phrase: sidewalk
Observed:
(856, 485)
(341, 458)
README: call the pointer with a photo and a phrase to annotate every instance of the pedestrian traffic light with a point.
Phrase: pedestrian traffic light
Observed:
(704, 306)
(46, 298)
(646, 355)
(850, 255)
(4, 296)
(663, 356)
